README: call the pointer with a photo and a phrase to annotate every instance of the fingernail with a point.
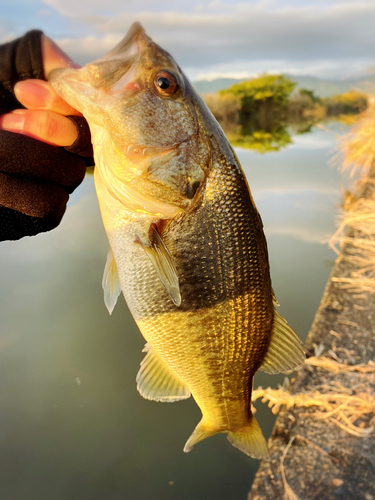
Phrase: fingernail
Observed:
(12, 122)
(33, 95)
(19, 111)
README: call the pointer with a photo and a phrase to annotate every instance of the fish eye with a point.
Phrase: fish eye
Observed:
(166, 83)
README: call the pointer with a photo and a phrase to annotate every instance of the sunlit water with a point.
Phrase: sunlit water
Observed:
(72, 425)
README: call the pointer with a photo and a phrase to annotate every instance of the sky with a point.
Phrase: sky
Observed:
(332, 39)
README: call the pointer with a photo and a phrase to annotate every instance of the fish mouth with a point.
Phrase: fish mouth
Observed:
(106, 71)
(78, 86)
(136, 34)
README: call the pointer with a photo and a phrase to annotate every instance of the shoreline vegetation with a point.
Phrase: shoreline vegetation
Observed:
(261, 113)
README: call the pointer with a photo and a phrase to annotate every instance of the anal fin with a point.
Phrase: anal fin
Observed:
(162, 260)
(111, 282)
(285, 352)
(157, 382)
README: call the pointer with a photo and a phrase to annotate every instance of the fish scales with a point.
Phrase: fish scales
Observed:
(223, 306)
(187, 247)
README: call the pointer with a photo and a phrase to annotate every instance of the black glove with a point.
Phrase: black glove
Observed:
(35, 178)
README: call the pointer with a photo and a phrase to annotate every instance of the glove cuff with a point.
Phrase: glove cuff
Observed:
(82, 145)
(20, 59)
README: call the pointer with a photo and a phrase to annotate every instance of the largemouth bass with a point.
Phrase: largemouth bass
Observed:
(187, 247)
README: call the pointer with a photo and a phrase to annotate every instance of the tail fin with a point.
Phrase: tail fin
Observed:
(202, 431)
(250, 440)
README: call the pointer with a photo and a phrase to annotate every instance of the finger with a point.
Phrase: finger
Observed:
(46, 126)
(37, 94)
(54, 56)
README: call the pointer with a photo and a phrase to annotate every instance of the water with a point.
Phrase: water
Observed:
(72, 424)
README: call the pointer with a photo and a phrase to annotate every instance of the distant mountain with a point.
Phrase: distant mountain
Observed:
(321, 88)
(326, 88)
(212, 86)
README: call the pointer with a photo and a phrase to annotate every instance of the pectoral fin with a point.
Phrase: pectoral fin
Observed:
(157, 382)
(162, 260)
(285, 352)
(110, 282)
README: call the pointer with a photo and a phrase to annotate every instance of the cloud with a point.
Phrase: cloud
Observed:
(239, 36)
(214, 38)
(328, 68)
(88, 48)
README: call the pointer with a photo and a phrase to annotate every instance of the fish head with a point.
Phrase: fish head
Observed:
(145, 124)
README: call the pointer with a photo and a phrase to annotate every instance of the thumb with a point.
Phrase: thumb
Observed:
(54, 56)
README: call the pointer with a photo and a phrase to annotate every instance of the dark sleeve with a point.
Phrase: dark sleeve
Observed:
(35, 178)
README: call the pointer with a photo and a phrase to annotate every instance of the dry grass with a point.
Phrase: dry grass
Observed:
(334, 402)
(360, 245)
(358, 147)
(359, 215)
(338, 407)
(356, 230)
(333, 366)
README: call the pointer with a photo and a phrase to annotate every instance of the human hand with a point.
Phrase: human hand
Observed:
(45, 116)
(36, 177)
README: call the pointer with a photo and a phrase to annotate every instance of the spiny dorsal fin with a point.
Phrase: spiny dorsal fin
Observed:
(157, 382)
(159, 255)
(110, 282)
(285, 352)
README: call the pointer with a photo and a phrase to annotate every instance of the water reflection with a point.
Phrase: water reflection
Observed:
(271, 133)
(261, 113)
(72, 424)
(262, 141)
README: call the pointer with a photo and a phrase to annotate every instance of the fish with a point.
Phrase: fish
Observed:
(187, 246)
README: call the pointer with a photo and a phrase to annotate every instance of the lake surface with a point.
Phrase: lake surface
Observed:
(72, 425)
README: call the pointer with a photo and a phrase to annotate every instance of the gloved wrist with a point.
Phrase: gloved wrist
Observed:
(20, 59)
(82, 145)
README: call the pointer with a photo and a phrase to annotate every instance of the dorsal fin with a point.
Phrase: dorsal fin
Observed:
(157, 382)
(162, 260)
(285, 352)
(110, 282)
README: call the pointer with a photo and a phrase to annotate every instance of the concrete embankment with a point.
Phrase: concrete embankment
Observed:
(323, 443)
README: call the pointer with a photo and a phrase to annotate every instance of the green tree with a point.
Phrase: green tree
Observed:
(263, 100)
(350, 103)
